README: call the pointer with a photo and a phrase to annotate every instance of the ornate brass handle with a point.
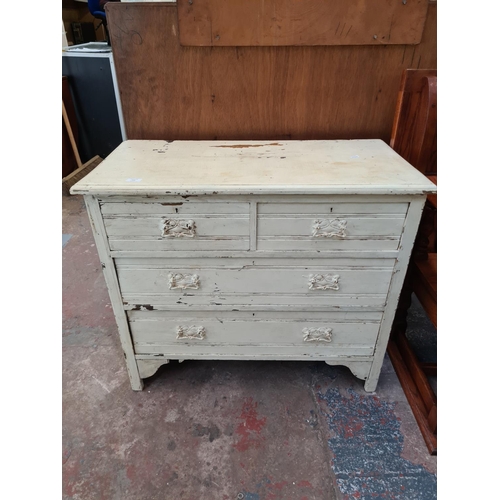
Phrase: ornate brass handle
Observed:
(179, 228)
(183, 281)
(191, 332)
(324, 282)
(329, 228)
(322, 334)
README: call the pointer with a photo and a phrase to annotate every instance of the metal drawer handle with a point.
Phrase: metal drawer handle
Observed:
(324, 282)
(183, 281)
(322, 334)
(179, 228)
(191, 332)
(329, 228)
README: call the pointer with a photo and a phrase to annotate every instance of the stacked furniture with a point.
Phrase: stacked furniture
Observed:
(414, 137)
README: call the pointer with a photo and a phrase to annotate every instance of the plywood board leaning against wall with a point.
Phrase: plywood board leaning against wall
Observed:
(289, 22)
(242, 93)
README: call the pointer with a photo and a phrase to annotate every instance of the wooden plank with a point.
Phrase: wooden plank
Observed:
(69, 163)
(427, 159)
(425, 285)
(418, 376)
(414, 133)
(286, 22)
(432, 198)
(426, 272)
(432, 418)
(430, 369)
(412, 396)
(173, 92)
(428, 303)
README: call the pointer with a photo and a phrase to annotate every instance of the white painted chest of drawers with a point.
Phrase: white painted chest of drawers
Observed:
(287, 250)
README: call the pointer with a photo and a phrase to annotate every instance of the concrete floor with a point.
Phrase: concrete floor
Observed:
(223, 430)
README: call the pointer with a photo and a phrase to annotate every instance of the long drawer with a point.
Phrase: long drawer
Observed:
(267, 282)
(321, 334)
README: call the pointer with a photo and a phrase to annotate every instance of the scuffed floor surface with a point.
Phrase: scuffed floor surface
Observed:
(220, 430)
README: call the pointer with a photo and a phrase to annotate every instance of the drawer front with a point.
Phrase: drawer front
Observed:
(336, 226)
(177, 226)
(175, 206)
(325, 334)
(289, 282)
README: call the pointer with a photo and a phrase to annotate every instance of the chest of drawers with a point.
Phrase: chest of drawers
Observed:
(287, 250)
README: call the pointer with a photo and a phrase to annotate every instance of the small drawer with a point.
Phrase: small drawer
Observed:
(320, 226)
(177, 226)
(325, 334)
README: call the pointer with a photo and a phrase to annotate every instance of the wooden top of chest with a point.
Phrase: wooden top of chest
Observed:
(140, 167)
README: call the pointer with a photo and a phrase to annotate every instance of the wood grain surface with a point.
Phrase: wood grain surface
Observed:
(329, 92)
(299, 22)
(414, 134)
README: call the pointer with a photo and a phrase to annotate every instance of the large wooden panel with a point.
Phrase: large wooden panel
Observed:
(300, 22)
(173, 92)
